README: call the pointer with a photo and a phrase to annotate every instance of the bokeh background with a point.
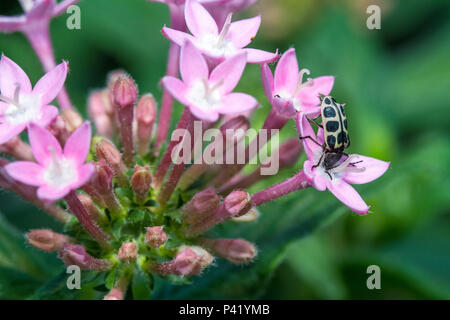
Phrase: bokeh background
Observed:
(396, 85)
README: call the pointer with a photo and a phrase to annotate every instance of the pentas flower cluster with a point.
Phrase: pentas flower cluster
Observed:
(123, 187)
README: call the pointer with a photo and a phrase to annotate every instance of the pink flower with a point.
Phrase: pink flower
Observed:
(37, 13)
(354, 169)
(206, 95)
(287, 92)
(218, 46)
(57, 171)
(21, 104)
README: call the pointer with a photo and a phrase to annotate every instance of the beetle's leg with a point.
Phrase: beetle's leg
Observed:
(313, 121)
(310, 138)
(320, 160)
(353, 163)
(329, 174)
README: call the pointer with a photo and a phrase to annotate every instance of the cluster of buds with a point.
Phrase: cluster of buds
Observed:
(127, 197)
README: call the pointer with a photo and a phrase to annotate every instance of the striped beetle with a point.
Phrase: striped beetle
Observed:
(336, 138)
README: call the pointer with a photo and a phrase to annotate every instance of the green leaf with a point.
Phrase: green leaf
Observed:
(141, 286)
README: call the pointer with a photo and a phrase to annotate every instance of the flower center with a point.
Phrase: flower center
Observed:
(61, 172)
(218, 45)
(22, 108)
(336, 173)
(204, 95)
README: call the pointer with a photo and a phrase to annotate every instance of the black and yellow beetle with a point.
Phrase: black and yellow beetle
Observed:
(335, 131)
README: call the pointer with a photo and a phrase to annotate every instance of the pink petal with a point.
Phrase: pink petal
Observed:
(176, 36)
(230, 72)
(192, 64)
(242, 32)
(48, 114)
(177, 89)
(305, 130)
(78, 145)
(374, 169)
(260, 56)
(8, 131)
(43, 144)
(85, 174)
(310, 96)
(267, 81)
(237, 102)
(49, 193)
(11, 24)
(206, 115)
(198, 19)
(315, 179)
(51, 83)
(12, 75)
(348, 196)
(286, 73)
(26, 172)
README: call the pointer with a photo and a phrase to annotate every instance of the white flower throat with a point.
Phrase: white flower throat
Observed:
(205, 95)
(218, 45)
(338, 172)
(22, 108)
(61, 172)
(300, 86)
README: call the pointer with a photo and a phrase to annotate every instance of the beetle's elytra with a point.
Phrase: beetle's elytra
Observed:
(334, 124)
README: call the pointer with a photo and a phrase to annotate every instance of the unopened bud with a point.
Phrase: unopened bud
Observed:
(140, 182)
(46, 240)
(186, 263)
(72, 118)
(145, 117)
(58, 128)
(206, 258)
(106, 151)
(90, 207)
(17, 149)
(235, 129)
(250, 216)
(97, 110)
(124, 92)
(234, 250)
(73, 254)
(102, 182)
(202, 204)
(128, 252)
(155, 236)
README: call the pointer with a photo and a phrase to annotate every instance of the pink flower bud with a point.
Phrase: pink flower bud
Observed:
(140, 182)
(238, 126)
(186, 263)
(74, 254)
(46, 240)
(128, 252)
(58, 128)
(17, 149)
(72, 118)
(108, 152)
(124, 92)
(90, 207)
(234, 250)
(145, 117)
(97, 110)
(206, 258)
(202, 204)
(235, 204)
(103, 177)
(155, 236)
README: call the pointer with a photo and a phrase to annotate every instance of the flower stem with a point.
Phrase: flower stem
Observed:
(86, 220)
(292, 184)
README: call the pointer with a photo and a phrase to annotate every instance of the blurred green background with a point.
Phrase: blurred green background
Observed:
(396, 85)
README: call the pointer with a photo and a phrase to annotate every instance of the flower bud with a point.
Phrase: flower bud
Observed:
(250, 216)
(155, 236)
(203, 203)
(74, 254)
(17, 149)
(206, 258)
(90, 207)
(58, 128)
(145, 117)
(186, 263)
(140, 182)
(46, 240)
(106, 151)
(72, 118)
(97, 111)
(234, 129)
(124, 92)
(102, 179)
(128, 252)
(234, 250)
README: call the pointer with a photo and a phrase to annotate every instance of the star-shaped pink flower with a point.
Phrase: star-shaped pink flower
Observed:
(354, 169)
(288, 93)
(20, 104)
(217, 46)
(208, 95)
(57, 171)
